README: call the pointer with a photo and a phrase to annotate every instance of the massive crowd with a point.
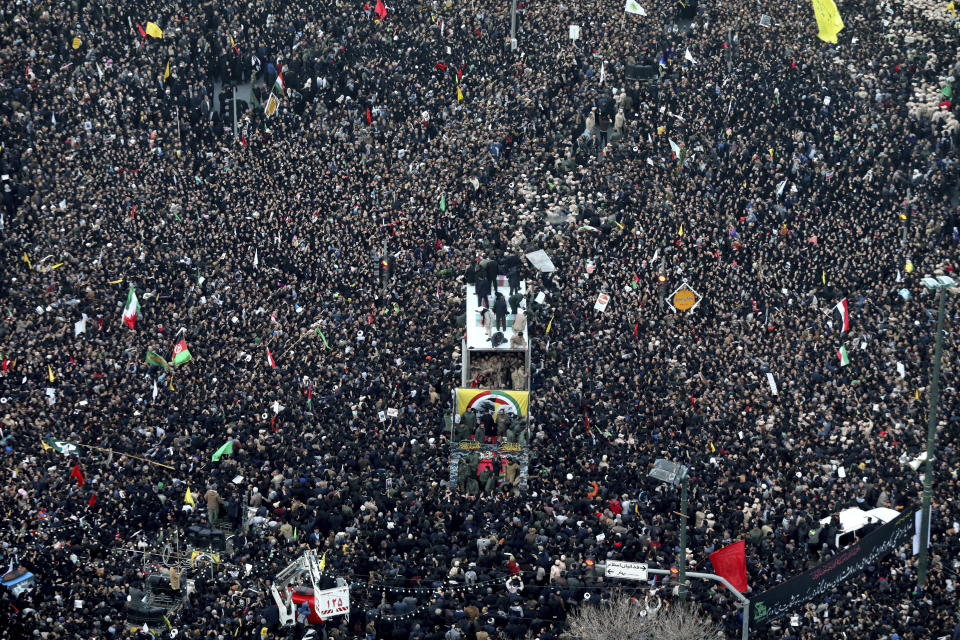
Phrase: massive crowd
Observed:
(119, 168)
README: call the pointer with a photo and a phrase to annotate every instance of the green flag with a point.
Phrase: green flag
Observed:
(842, 354)
(443, 202)
(324, 338)
(157, 361)
(947, 91)
(226, 449)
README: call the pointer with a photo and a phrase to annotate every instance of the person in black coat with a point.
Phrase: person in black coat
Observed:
(493, 270)
(514, 279)
(500, 310)
(483, 291)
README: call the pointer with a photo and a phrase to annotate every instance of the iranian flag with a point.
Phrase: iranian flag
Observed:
(273, 365)
(278, 83)
(181, 354)
(844, 313)
(131, 309)
(842, 354)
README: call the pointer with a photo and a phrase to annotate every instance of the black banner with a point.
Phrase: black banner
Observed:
(793, 593)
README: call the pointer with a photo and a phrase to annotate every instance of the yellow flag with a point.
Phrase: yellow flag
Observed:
(166, 74)
(43, 443)
(27, 260)
(952, 9)
(171, 384)
(77, 42)
(713, 449)
(188, 498)
(828, 20)
(681, 230)
(549, 324)
(50, 372)
(323, 562)
(459, 95)
(115, 281)
(823, 277)
(154, 30)
(59, 264)
(916, 394)
(661, 130)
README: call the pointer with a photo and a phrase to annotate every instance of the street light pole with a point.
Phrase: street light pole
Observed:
(931, 431)
(682, 592)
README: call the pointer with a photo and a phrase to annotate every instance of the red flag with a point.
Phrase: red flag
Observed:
(381, 10)
(76, 474)
(635, 328)
(441, 66)
(243, 139)
(133, 210)
(143, 34)
(845, 314)
(273, 365)
(731, 563)
(309, 391)
(369, 119)
(93, 500)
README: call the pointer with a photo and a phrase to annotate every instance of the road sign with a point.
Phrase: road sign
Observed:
(332, 602)
(684, 298)
(630, 570)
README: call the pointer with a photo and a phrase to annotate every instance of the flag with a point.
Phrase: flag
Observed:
(323, 337)
(380, 10)
(80, 326)
(273, 365)
(689, 57)
(323, 562)
(828, 20)
(459, 94)
(952, 9)
(603, 71)
(634, 7)
(680, 233)
(156, 391)
(27, 260)
(443, 202)
(823, 277)
(730, 562)
(226, 449)
(142, 33)
(181, 354)
(549, 324)
(131, 309)
(271, 107)
(675, 148)
(92, 501)
(278, 83)
(845, 313)
(43, 443)
(188, 498)
(166, 74)
(947, 91)
(369, 119)
(256, 258)
(780, 188)
(50, 373)
(157, 360)
(154, 30)
(842, 354)
(77, 474)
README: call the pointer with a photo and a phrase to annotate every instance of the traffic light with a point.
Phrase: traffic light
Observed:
(386, 269)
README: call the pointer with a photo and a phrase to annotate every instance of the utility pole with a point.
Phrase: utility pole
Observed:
(234, 113)
(683, 539)
(942, 285)
(513, 25)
